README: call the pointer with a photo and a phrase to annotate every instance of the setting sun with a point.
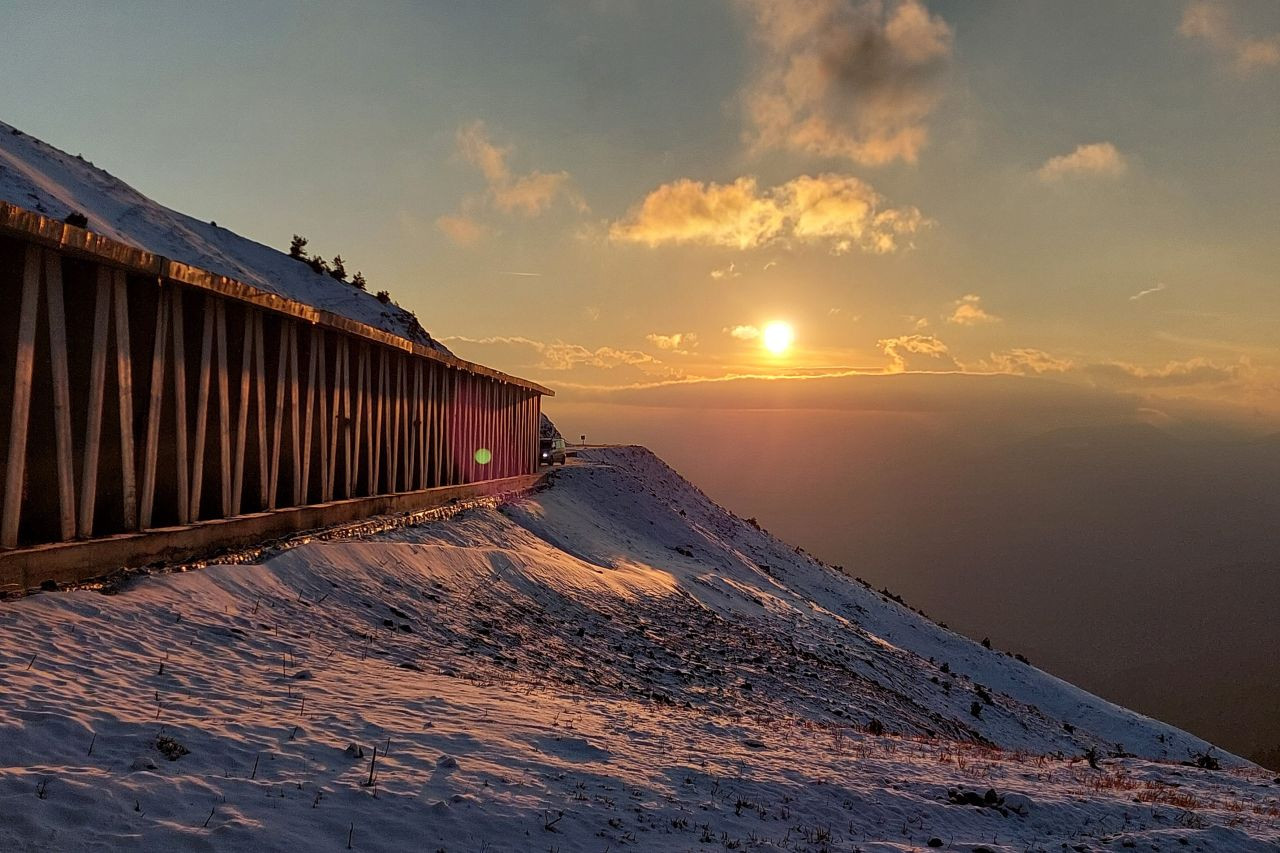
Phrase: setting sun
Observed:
(778, 337)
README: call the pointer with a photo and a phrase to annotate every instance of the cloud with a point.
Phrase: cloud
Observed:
(730, 271)
(1141, 294)
(742, 333)
(854, 79)
(918, 353)
(680, 343)
(563, 356)
(527, 194)
(462, 229)
(1211, 22)
(1193, 371)
(1025, 361)
(837, 210)
(1097, 158)
(969, 312)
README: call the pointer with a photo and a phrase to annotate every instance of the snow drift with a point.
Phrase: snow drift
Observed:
(36, 176)
(614, 662)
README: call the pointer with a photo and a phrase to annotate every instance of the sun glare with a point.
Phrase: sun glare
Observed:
(778, 337)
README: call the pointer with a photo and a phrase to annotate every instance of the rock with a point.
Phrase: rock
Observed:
(935, 842)
(1018, 803)
(753, 743)
(991, 798)
(447, 761)
(354, 751)
(142, 762)
(302, 674)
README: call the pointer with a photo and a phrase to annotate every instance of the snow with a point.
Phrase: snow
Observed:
(611, 663)
(39, 177)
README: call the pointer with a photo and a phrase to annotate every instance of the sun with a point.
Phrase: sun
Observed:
(778, 337)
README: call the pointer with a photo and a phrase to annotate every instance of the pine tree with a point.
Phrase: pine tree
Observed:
(296, 248)
(358, 280)
(383, 296)
(318, 264)
(339, 271)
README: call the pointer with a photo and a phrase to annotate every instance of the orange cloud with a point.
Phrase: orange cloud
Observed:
(969, 312)
(528, 194)
(563, 356)
(1098, 158)
(839, 210)
(1026, 362)
(679, 343)
(918, 353)
(1210, 21)
(1193, 371)
(846, 78)
(462, 229)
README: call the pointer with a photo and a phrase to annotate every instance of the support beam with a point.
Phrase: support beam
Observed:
(150, 453)
(93, 414)
(20, 411)
(294, 401)
(308, 420)
(180, 408)
(277, 428)
(124, 380)
(202, 410)
(260, 359)
(362, 361)
(61, 395)
(224, 407)
(242, 416)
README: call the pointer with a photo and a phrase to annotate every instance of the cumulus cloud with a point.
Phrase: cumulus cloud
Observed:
(839, 211)
(968, 311)
(679, 343)
(846, 78)
(1211, 22)
(1096, 158)
(743, 333)
(918, 353)
(528, 194)
(462, 229)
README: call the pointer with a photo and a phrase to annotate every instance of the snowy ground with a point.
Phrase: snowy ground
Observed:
(36, 176)
(613, 663)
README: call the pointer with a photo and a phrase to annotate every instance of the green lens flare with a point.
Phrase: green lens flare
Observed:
(483, 456)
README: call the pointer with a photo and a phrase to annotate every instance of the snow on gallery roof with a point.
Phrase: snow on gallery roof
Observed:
(36, 176)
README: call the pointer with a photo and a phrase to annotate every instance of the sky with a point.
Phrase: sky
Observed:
(983, 222)
(615, 198)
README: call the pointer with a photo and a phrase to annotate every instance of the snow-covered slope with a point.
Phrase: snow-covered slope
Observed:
(611, 663)
(39, 177)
